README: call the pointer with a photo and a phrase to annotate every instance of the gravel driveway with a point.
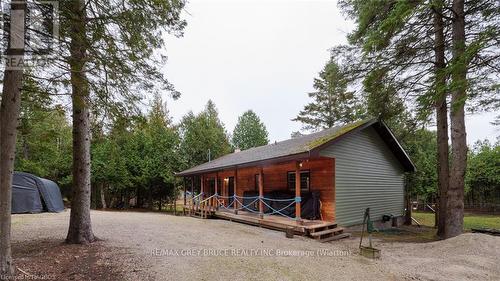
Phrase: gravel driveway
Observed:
(154, 246)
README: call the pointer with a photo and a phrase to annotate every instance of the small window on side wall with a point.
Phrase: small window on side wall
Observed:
(305, 180)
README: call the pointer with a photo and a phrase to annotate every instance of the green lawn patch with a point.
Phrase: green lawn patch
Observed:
(470, 220)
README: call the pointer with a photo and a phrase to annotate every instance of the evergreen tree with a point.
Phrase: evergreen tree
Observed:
(138, 156)
(111, 60)
(483, 174)
(249, 131)
(9, 113)
(44, 143)
(382, 99)
(110, 173)
(203, 136)
(420, 66)
(161, 159)
(421, 146)
(332, 103)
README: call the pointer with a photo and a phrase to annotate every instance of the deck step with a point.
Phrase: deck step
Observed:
(197, 214)
(327, 231)
(335, 237)
(320, 227)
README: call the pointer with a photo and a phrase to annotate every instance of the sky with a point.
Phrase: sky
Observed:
(262, 55)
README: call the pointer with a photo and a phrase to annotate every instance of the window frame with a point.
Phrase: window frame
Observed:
(291, 186)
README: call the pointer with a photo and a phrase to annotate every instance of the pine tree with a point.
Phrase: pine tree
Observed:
(9, 113)
(80, 227)
(332, 103)
(382, 98)
(455, 194)
(395, 35)
(111, 58)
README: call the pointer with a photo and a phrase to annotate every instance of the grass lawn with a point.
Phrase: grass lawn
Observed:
(170, 209)
(470, 220)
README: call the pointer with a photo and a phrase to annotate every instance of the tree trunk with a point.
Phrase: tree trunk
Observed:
(126, 203)
(26, 154)
(102, 197)
(112, 201)
(9, 114)
(80, 228)
(443, 169)
(138, 196)
(455, 204)
(150, 198)
(93, 196)
(108, 196)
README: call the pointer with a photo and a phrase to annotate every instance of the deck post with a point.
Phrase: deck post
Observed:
(185, 189)
(202, 187)
(261, 193)
(185, 193)
(235, 184)
(216, 183)
(297, 193)
(192, 186)
(216, 189)
(191, 208)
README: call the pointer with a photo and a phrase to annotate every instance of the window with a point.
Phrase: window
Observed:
(211, 187)
(210, 190)
(304, 180)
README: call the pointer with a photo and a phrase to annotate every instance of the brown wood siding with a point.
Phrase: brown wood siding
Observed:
(275, 178)
(246, 180)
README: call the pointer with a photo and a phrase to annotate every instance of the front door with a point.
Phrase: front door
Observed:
(230, 189)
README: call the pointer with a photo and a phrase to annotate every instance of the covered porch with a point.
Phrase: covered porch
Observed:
(297, 194)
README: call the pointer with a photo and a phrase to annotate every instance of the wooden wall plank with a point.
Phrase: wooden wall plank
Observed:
(322, 172)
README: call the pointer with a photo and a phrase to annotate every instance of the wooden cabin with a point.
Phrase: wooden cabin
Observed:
(313, 183)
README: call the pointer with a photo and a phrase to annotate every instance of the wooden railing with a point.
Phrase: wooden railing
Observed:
(208, 206)
(204, 208)
(193, 203)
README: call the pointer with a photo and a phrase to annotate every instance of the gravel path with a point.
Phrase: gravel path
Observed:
(153, 246)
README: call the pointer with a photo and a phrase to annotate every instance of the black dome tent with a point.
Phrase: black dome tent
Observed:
(31, 194)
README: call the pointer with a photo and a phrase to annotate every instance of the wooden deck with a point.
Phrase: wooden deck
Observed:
(306, 227)
(323, 231)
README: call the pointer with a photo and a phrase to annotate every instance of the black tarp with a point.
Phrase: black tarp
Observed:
(31, 194)
(309, 205)
(25, 194)
(51, 195)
